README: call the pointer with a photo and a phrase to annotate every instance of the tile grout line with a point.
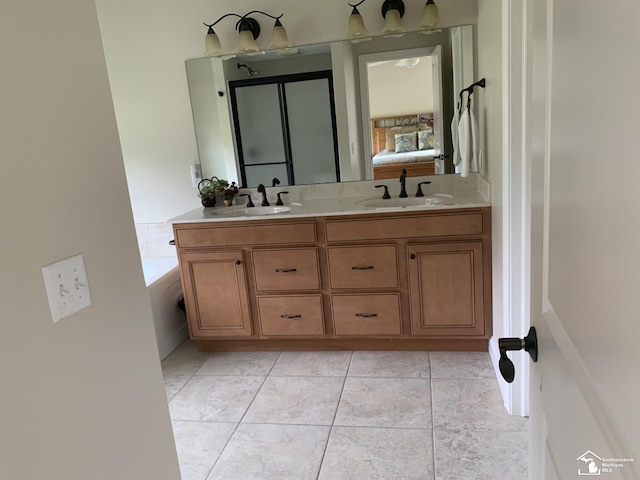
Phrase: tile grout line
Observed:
(324, 452)
(184, 384)
(433, 420)
(243, 415)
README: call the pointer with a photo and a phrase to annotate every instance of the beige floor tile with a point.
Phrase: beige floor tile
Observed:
(214, 398)
(461, 365)
(385, 402)
(312, 364)
(199, 445)
(239, 363)
(296, 400)
(264, 452)
(184, 360)
(464, 404)
(390, 364)
(355, 453)
(481, 455)
(173, 384)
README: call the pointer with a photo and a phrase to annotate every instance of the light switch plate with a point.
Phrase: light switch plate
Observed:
(67, 287)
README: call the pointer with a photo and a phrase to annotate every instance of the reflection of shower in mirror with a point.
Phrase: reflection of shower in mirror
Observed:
(251, 73)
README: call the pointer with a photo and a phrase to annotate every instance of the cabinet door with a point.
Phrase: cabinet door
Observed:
(446, 289)
(215, 293)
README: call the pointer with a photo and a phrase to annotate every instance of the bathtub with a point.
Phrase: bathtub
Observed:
(163, 284)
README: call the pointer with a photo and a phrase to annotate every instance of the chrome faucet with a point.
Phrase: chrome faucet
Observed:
(263, 191)
(403, 180)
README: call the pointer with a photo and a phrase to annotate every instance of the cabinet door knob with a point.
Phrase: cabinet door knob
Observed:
(412, 256)
(238, 262)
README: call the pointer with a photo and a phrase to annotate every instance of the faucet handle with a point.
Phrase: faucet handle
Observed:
(419, 192)
(249, 201)
(386, 195)
(279, 202)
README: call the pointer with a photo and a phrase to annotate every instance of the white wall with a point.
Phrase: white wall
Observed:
(146, 43)
(412, 90)
(82, 398)
(489, 108)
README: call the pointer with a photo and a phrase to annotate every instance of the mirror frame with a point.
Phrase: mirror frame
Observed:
(356, 139)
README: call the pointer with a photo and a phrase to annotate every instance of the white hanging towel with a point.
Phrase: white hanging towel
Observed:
(468, 141)
(455, 122)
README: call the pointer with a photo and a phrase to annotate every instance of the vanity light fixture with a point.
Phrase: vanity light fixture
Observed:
(393, 11)
(430, 15)
(357, 31)
(249, 30)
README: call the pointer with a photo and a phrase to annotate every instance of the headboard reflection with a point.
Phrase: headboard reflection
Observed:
(403, 142)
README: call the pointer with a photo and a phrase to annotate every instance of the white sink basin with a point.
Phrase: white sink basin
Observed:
(411, 202)
(255, 211)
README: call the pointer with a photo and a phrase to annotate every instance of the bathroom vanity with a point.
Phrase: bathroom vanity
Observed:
(336, 275)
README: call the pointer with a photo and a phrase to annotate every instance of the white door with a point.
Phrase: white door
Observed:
(583, 131)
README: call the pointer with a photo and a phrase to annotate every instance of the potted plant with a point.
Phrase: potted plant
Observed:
(208, 189)
(228, 192)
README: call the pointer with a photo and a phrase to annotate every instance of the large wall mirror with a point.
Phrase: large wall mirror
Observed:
(332, 112)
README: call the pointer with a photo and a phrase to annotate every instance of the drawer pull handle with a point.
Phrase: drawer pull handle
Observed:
(366, 315)
(290, 316)
(370, 267)
(286, 270)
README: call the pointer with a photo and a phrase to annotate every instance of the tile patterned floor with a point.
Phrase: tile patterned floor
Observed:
(341, 415)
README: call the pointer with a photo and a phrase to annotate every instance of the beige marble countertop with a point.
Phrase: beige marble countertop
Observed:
(338, 205)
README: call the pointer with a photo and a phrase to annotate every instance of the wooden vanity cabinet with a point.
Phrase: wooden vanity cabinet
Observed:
(446, 289)
(419, 280)
(215, 293)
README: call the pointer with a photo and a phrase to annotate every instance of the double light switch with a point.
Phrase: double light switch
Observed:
(67, 287)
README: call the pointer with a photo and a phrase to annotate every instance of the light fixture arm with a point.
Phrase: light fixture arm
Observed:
(393, 5)
(211, 25)
(357, 4)
(248, 23)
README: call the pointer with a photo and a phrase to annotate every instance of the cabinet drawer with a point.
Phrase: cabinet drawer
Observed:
(291, 315)
(366, 314)
(248, 234)
(405, 227)
(291, 269)
(363, 267)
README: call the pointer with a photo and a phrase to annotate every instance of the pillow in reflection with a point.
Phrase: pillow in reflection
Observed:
(391, 136)
(406, 142)
(425, 140)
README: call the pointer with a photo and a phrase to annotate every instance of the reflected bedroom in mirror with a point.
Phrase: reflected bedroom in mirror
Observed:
(332, 112)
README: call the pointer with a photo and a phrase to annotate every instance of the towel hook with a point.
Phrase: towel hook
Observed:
(480, 83)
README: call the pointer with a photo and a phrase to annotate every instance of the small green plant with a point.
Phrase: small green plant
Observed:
(208, 188)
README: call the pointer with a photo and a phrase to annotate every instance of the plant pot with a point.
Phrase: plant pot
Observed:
(228, 202)
(209, 202)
